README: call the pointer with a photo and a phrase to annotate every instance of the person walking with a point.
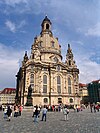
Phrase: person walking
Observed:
(16, 111)
(9, 111)
(36, 113)
(44, 112)
(66, 112)
(20, 110)
(91, 107)
(5, 112)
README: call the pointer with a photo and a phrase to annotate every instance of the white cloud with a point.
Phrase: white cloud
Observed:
(9, 64)
(70, 20)
(21, 24)
(13, 2)
(94, 31)
(89, 70)
(11, 26)
(14, 27)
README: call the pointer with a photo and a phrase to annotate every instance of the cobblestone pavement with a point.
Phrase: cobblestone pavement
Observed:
(81, 122)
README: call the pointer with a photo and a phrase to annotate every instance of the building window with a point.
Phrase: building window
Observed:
(32, 82)
(47, 26)
(58, 68)
(44, 69)
(44, 84)
(58, 84)
(71, 100)
(45, 100)
(55, 59)
(40, 44)
(69, 86)
(32, 78)
(59, 100)
(53, 44)
(69, 63)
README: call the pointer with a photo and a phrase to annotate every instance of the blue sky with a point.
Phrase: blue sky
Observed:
(73, 21)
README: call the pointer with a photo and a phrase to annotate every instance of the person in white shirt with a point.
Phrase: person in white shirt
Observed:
(44, 112)
(66, 112)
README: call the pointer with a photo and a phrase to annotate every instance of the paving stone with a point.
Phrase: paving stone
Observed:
(81, 122)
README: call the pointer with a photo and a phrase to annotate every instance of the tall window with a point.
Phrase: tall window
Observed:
(32, 81)
(59, 100)
(53, 44)
(32, 78)
(58, 84)
(47, 26)
(69, 63)
(40, 44)
(44, 84)
(69, 86)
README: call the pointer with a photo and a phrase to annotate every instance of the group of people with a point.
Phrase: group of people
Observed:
(37, 110)
(7, 112)
(36, 113)
(94, 107)
(17, 110)
(9, 109)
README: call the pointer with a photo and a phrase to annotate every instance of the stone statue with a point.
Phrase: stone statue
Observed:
(29, 91)
(29, 97)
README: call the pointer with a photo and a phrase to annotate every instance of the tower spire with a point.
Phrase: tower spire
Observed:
(69, 57)
(25, 57)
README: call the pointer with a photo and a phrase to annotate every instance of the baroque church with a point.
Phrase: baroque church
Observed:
(43, 78)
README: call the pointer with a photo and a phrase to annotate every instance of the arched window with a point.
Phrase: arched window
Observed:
(71, 100)
(53, 44)
(44, 84)
(32, 81)
(47, 26)
(69, 63)
(58, 84)
(69, 86)
(32, 78)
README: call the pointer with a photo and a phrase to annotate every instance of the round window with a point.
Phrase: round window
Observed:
(71, 100)
(45, 100)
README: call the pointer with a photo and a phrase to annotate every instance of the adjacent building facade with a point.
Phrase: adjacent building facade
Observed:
(44, 76)
(94, 91)
(83, 91)
(7, 96)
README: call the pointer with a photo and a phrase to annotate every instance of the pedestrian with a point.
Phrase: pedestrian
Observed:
(66, 112)
(36, 113)
(94, 107)
(91, 106)
(20, 110)
(9, 111)
(16, 111)
(5, 112)
(34, 108)
(44, 112)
